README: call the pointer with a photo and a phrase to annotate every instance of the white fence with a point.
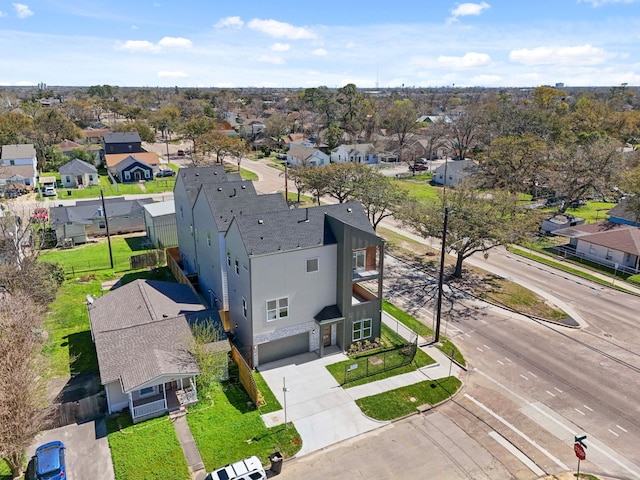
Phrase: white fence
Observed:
(149, 408)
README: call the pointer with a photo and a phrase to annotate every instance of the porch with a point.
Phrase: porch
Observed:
(170, 396)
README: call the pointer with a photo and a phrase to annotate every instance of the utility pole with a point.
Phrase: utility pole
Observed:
(286, 182)
(441, 275)
(106, 224)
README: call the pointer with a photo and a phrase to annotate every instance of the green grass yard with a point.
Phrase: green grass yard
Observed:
(148, 450)
(419, 187)
(405, 400)
(591, 212)
(226, 426)
(5, 473)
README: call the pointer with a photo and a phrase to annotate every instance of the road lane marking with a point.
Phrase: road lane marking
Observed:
(479, 349)
(615, 433)
(501, 362)
(551, 393)
(570, 430)
(487, 347)
(524, 377)
(508, 360)
(621, 428)
(517, 453)
(588, 408)
(581, 413)
(558, 390)
(532, 374)
(515, 430)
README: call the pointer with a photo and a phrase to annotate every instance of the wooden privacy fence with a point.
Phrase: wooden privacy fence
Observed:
(246, 377)
(83, 410)
(149, 259)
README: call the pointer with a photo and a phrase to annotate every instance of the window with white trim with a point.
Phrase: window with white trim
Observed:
(609, 254)
(145, 392)
(278, 308)
(181, 212)
(208, 239)
(147, 174)
(244, 308)
(361, 329)
(237, 267)
(359, 258)
(312, 264)
(69, 178)
(127, 175)
(228, 259)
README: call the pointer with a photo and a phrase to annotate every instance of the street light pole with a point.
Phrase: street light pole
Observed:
(441, 275)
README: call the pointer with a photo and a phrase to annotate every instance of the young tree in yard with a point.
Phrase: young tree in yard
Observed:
(379, 196)
(296, 175)
(314, 181)
(222, 145)
(212, 362)
(477, 221)
(22, 398)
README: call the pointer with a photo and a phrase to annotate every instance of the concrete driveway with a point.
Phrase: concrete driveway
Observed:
(87, 454)
(322, 412)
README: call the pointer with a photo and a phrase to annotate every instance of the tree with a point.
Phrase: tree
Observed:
(464, 131)
(144, 130)
(631, 186)
(14, 128)
(222, 144)
(213, 364)
(22, 397)
(380, 196)
(277, 126)
(400, 121)
(333, 135)
(477, 221)
(352, 104)
(296, 175)
(195, 129)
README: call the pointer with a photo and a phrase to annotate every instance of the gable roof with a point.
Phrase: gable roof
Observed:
(294, 229)
(129, 161)
(150, 158)
(622, 212)
(122, 137)
(141, 331)
(13, 152)
(22, 171)
(615, 236)
(230, 199)
(85, 212)
(68, 145)
(90, 132)
(193, 178)
(303, 153)
(467, 166)
(77, 167)
(357, 148)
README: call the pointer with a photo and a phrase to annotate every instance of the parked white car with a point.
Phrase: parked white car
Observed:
(49, 191)
(247, 469)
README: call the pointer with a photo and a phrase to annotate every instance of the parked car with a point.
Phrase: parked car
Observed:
(49, 461)
(49, 191)
(418, 166)
(281, 156)
(247, 469)
(181, 153)
(167, 172)
(40, 214)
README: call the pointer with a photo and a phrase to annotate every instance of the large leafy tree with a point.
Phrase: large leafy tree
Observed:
(195, 129)
(380, 196)
(400, 122)
(144, 130)
(477, 221)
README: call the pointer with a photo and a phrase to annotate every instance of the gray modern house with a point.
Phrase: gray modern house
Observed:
(303, 280)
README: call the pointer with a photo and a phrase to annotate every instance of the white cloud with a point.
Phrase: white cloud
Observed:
(468, 60)
(557, 55)
(170, 74)
(3, 14)
(487, 80)
(22, 10)
(320, 52)
(277, 29)
(464, 9)
(231, 22)
(134, 27)
(270, 59)
(175, 42)
(139, 46)
(280, 47)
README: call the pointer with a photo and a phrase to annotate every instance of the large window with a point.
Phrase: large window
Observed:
(359, 257)
(144, 392)
(361, 329)
(278, 308)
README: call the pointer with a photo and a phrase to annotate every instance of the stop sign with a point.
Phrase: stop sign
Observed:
(579, 451)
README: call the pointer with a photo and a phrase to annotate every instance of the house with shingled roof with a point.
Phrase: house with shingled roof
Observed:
(78, 173)
(18, 164)
(303, 280)
(142, 333)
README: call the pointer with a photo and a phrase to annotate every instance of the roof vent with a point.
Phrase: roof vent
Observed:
(197, 174)
(244, 186)
(260, 222)
(219, 189)
(349, 210)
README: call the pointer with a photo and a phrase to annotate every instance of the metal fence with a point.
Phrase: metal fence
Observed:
(362, 366)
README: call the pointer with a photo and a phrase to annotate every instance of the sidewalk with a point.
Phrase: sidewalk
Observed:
(189, 448)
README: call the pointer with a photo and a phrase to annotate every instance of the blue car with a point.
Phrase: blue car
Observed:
(49, 462)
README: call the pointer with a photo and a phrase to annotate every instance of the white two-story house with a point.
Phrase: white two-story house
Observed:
(303, 280)
(18, 164)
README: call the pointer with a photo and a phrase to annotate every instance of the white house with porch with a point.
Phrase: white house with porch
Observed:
(142, 334)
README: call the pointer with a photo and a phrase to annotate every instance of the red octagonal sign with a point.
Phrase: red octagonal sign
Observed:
(579, 451)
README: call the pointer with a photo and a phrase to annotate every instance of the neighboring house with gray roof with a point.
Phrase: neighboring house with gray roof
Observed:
(213, 210)
(142, 333)
(87, 218)
(613, 244)
(356, 153)
(452, 172)
(624, 215)
(18, 164)
(78, 173)
(303, 156)
(296, 281)
(132, 169)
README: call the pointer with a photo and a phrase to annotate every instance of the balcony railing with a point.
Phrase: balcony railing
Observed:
(149, 408)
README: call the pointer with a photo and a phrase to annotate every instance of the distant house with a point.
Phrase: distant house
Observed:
(87, 218)
(160, 222)
(609, 243)
(142, 335)
(453, 172)
(132, 169)
(67, 147)
(356, 153)
(122, 142)
(302, 156)
(623, 215)
(560, 220)
(18, 164)
(77, 173)
(94, 135)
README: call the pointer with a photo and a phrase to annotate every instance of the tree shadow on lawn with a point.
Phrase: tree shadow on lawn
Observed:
(139, 243)
(158, 273)
(82, 353)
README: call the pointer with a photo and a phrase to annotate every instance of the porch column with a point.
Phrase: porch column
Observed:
(130, 404)
(164, 393)
(193, 384)
(181, 384)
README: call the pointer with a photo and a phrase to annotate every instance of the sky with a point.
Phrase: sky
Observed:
(282, 43)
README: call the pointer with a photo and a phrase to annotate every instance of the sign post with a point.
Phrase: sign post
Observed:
(579, 447)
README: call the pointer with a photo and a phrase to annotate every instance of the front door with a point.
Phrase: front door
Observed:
(137, 175)
(326, 335)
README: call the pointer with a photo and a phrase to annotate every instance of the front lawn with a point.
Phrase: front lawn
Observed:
(419, 187)
(405, 400)
(227, 426)
(149, 450)
(93, 191)
(591, 212)
(5, 473)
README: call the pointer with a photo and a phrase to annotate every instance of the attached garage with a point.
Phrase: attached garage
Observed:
(283, 348)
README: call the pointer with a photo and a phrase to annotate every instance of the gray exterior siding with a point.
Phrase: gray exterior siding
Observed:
(184, 222)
